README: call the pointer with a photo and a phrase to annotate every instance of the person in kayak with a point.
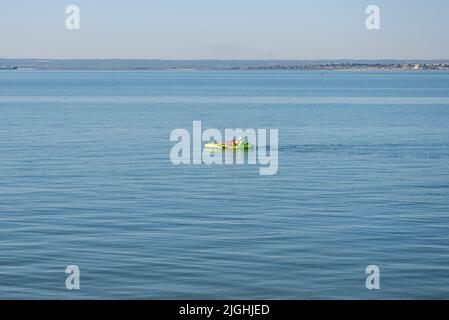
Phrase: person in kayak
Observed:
(235, 142)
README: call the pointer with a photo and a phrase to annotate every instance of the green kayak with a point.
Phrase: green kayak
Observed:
(244, 146)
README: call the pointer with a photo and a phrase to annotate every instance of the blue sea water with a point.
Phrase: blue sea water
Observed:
(86, 179)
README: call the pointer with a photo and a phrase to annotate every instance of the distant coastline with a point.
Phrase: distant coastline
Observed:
(183, 65)
(8, 68)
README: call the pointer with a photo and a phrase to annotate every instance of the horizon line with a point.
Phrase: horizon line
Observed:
(218, 59)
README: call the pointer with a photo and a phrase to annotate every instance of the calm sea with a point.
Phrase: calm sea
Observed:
(86, 180)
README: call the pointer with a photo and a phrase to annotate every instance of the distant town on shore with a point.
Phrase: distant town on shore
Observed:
(289, 65)
(358, 66)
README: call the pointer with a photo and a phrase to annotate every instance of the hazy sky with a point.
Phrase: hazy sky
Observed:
(226, 29)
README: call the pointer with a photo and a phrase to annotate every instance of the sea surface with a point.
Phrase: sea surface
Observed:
(86, 179)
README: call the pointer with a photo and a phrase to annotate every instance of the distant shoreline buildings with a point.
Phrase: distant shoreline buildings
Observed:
(356, 67)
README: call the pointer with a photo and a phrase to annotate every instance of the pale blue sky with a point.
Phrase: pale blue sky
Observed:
(226, 29)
